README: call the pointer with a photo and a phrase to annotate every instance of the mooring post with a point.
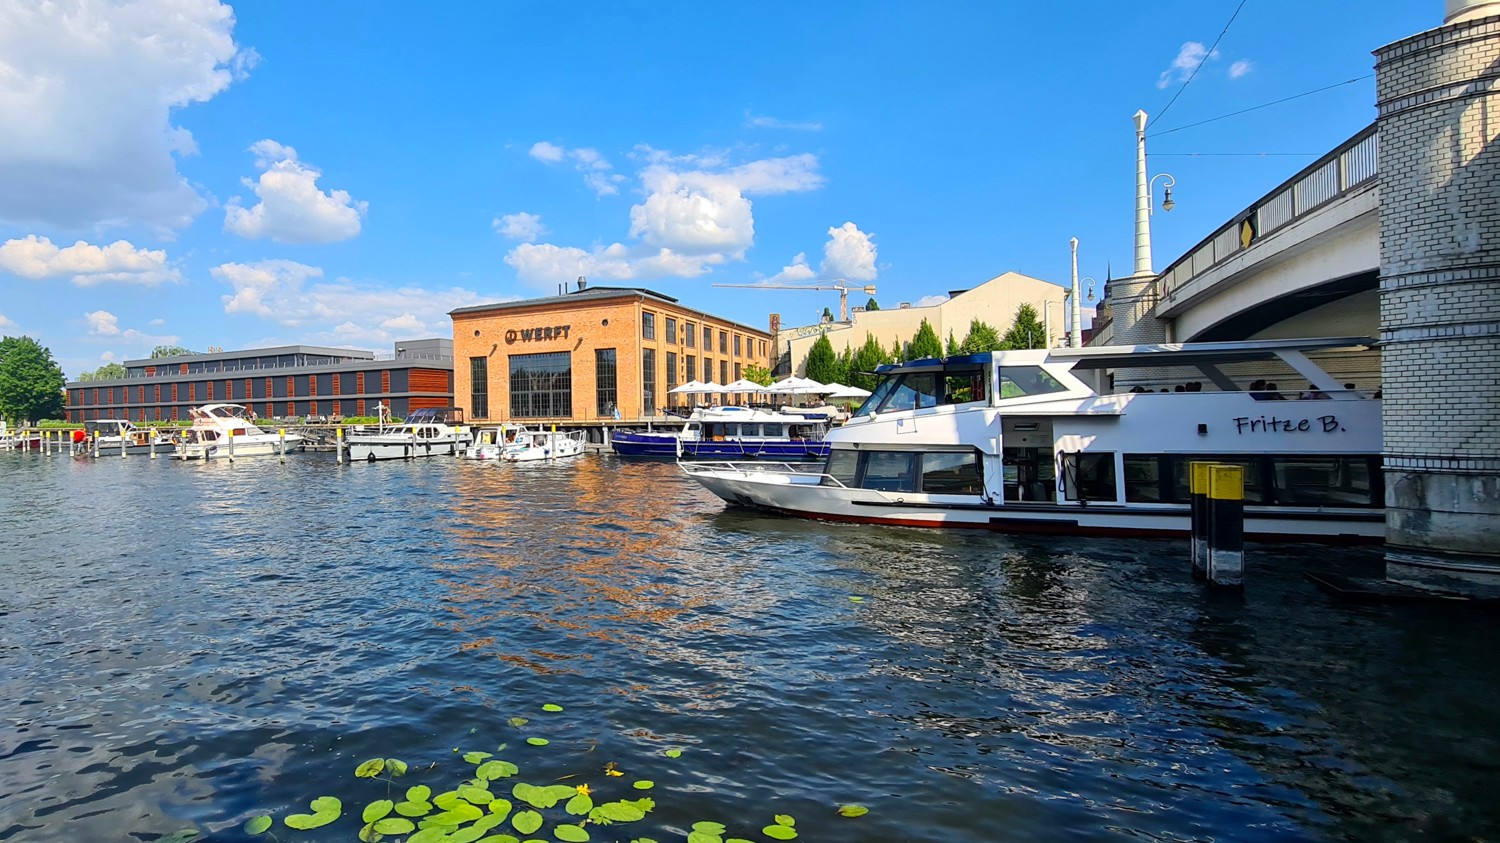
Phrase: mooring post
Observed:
(231, 446)
(1226, 534)
(122, 444)
(338, 443)
(151, 443)
(281, 443)
(95, 444)
(1198, 509)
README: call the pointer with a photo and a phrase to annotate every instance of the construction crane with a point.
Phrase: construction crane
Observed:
(841, 285)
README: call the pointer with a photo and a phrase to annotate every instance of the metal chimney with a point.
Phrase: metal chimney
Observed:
(583, 281)
(1459, 11)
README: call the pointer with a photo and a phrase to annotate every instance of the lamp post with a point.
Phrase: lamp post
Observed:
(1143, 209)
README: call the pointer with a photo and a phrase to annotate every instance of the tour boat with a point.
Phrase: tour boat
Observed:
(730, 432)
(428, 432)
(105, 437)
(1031, 441)
(535, 445)
(223, 430)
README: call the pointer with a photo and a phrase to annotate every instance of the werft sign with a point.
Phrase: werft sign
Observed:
(551, 332)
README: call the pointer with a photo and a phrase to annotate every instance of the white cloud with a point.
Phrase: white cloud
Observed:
(107, 356)
(753, 121)
(1188, 58)
(930, 301)
(520, 226)
(104, 324)
(696, 215)
(849, 253)
(342, 310)
(157, 323)
(119, 262)
(292, 209)
(87, 91)
(598, 174)
(5, 322)
(1240, 68)
(796, 271)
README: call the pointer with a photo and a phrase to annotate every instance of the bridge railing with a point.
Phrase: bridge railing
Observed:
(1351, 165)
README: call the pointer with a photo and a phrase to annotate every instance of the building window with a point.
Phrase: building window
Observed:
(708, 370)
(737, 351)
(541, 385)
(692, 367)
(723, 342)
(737, 375)
(606, 377)
(762, 348)
(648, 380)
(648, 325)
(671, 374)
(724, 372)
(479, 387)
(689, 334)
(671, 331)
(708, 338)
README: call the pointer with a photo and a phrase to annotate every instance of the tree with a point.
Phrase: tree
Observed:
(107, 372)
(31, 382)
(925, 344)
(1026, 331)
(822, 365)
(845, 365)
(865, 360)
(168, 351)
(758, 374)
(897, 352)
(952, 348)
(872, 304)
(981, 337)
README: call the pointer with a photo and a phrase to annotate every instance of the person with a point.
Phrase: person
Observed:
(1273, 393)
(1312, 393)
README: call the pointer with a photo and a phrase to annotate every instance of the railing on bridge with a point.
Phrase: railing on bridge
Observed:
(1351, 165)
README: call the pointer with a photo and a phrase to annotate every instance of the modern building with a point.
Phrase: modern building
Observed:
(994, 302)
(597, 353)
(286, 381)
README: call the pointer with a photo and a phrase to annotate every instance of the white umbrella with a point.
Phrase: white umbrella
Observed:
(850, 392)
(692, 387)
(711, 386)
(743, 385)
(795, 386)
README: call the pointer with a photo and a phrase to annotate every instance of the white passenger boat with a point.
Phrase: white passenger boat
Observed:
(535, 445)
(105, 437)
(1021, 441)
(433, 432)
(223, 430)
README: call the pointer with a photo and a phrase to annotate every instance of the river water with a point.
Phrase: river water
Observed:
(185, 646)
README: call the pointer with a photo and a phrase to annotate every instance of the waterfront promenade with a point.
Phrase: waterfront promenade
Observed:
(186, 646)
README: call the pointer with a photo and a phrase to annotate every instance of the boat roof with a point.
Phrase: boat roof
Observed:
(1144, 356)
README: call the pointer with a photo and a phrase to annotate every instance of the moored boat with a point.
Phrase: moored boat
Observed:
(225, 430)
(490, 442)
(536, 445)
(730, 433)
(105, 437)
(427, 432)
(1020, 441)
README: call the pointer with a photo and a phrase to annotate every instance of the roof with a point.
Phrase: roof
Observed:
(1192, 353)
(597, 294)
(351, 353)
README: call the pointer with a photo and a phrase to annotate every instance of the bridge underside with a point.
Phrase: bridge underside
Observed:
(1309, 304)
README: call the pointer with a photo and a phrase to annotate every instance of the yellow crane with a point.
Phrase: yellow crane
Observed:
(841, 285)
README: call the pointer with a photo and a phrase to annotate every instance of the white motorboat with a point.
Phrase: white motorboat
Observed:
(490, 442)
(535, 445)
(733, 433)
(428, 432)
(105, 437)
(224, 430)
(1019, 441)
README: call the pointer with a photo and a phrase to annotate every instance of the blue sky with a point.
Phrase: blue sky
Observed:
(341, 173)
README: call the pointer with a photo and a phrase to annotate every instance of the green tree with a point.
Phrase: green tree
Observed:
(897, 352)
(168, 351)
(845, 364)
(107, 372)
(925, 344)
(865, 360)
(872, 304)
(31, 382)
(758, 374)
(981, 337)
(1026, 331)
(822, 365)
(952, 348)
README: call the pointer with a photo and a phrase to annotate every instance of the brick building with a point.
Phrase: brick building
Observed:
(585, 354)
(287, 381)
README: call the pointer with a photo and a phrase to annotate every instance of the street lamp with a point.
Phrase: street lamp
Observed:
(1166, 202)
(1143, 209)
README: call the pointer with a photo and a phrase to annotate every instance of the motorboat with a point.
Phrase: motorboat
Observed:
(19, 441)
(105, 437)
(1034, 441)
(489, 442)
(730, 433)
(227, 430)
(535, 445)
(427, 432)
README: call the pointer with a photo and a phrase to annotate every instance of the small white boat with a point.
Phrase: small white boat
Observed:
(223, 430)
(105, 437)
(434, 432)
(537, 445)
(490, 442)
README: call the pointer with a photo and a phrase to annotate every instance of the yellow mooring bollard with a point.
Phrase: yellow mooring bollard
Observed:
(1226, 531)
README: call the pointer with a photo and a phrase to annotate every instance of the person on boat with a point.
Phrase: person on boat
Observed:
(1312, 393)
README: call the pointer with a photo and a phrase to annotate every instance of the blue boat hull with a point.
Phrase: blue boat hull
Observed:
(660, 445)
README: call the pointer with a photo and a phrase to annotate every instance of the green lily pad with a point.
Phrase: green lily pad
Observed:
(476, 795)
(418, 793)
(552, 707)
(394, 825)
(644, 784)
(855, 598)
(580, 805)
(500, 838)
(377, 810)
(496, 769)
(447, 800)
(476, 757)
(370, 769)
(500, 807)
(526, 821)
(433, 834)
(853, 810)
(703, 837)
(518, 722)
(538, 741)
(783, 819)
(570, 833)
(326, 809)
(413, 809)
(709, 828)
(617, 812)
(257, 825)
(780, 832)
(368, 834)
(396, 766)
(674, 752)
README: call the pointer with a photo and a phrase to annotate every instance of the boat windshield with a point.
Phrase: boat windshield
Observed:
(1021, 381)
(916, 390)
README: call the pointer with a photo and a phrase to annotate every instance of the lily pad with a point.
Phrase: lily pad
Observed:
(644, 784)
(370, 769)
(368, 834)
(377, 810)
(709, 828)
(180, 836)
(674, 752)
(853, 810)
(496, 769)
(326, 809)
(518, 722)
(552, 707)
(418, 793)
(413, 809)
(526, 821)
(703, 837)
(570, 833)
(500, 807)
(396, 766)
(500, 838)
(257, 825)
(446, 800)
(780, 832)
(476, 757)
(616, 812)
(433, 834)
(783, 819)
(538, 741)
(855, 598)
(394, 825)
(476, 795)
(580, 805)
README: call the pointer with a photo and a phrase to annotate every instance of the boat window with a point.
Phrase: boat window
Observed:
(890, 471)
(1323, 481)
(913, 391)
(963, 384)
(1021, 381)
(952, 474)
(1181, 475)
(1089, 476)
(1143, 479)
(841, 466)
(882, 390)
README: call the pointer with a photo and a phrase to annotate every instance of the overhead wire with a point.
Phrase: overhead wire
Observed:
(1199, 66)
(1266, 105)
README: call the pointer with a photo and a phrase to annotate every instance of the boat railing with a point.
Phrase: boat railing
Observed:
(757, 467)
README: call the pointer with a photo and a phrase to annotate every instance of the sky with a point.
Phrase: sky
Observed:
(187, 172)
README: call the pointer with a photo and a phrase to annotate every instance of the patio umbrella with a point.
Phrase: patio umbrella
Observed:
(743, 385)
(850, 393)
(692, 387)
